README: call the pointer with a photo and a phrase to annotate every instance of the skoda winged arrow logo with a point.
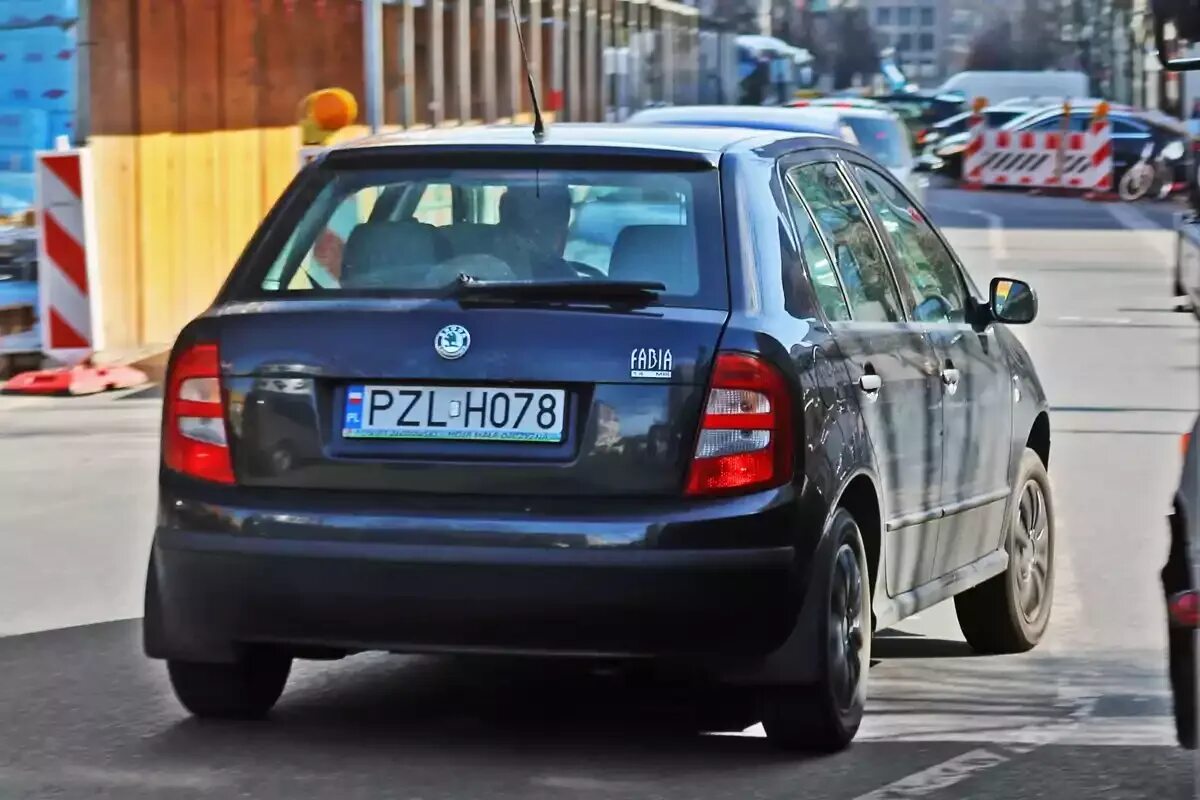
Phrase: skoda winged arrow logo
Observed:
(452, 341)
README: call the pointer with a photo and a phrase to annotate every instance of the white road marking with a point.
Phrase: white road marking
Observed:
(577, 783)
(1128, 216)
(995, 234)
(938, 777)
(1156, 238)
(80, 775)
(1097, 320)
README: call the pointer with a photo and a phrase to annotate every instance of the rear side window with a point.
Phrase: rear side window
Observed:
(858, 257)
(825, 283)
(413, 232)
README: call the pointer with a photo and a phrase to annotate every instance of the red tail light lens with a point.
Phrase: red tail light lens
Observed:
(1184, 609)
(745, 440)
(195, 442)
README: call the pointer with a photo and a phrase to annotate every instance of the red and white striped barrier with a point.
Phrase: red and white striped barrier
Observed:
(68, 292)
(1040, 159)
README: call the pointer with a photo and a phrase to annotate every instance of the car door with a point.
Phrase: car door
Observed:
(976, 407)
(1129, 137)
(894, 367)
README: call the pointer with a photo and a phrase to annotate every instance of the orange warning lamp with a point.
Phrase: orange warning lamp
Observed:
(979, 105)
(1101, 112)
(324, 113)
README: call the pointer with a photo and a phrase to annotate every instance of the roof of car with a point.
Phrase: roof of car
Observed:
(697, 139)
(865, 112)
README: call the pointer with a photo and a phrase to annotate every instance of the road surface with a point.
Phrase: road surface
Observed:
(82, 714)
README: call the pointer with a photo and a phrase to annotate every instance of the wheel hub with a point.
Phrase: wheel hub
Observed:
(846, 628)
(1031, 550)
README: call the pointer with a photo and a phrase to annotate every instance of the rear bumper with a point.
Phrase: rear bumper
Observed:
(391, 584)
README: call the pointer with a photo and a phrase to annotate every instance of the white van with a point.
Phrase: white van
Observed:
(1000, 85)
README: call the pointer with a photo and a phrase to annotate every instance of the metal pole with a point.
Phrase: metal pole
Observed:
(487, 71)
(408, 67)
(373, 62)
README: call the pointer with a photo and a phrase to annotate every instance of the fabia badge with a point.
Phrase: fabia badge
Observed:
(452, 341)
(650, 362)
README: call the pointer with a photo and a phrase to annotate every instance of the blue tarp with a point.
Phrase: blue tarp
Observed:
(38, 88)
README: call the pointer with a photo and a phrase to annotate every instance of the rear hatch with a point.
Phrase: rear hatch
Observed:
(510, 330)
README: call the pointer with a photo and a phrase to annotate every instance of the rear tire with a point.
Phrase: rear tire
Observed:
(825, 717)
(1135, 183)
(1009, 613)
(245, 689)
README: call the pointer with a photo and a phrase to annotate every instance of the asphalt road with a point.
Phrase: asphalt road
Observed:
(82, 714)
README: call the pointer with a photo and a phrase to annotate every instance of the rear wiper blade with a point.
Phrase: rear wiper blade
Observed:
(582, 290)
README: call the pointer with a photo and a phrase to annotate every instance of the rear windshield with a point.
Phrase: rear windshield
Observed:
(411, 232)
(883, 139)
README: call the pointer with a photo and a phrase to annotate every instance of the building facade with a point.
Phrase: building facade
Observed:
(932, 39)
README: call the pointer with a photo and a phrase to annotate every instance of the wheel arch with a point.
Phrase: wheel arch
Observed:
(1039, 437)
(860, 496)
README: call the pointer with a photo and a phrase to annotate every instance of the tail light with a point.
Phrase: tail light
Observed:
(745, 437)
(195, 442)
(1183, 609)
(1185, 441)
(922, 136)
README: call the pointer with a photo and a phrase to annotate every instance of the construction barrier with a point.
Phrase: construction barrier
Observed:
(68, 296)
(68, 285)
(1080, 160)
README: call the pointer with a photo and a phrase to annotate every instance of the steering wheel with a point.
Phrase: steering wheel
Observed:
(587, 270)
(934, 308)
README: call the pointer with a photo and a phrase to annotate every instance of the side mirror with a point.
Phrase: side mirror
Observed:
(1012, 301)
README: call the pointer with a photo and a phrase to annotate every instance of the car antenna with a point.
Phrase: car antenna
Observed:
(539, 126)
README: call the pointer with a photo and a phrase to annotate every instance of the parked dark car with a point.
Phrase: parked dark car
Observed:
(994, 117)
(950, 162)
(1131, 131)
(923, 109)
(738, 438)
(1180, 590)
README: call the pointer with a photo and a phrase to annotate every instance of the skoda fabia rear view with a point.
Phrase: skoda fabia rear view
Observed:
(575, 396)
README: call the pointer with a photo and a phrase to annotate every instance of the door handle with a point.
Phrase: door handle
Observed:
(870, 383)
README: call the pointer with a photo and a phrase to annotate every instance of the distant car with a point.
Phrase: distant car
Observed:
(875, 129)
(929, 107)
(993, 117)
(733, 438)
(949, 161)
(826, 122)
(1131, 130)
(1180, 590)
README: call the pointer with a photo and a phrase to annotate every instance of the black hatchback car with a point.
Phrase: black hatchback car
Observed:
(714, 397)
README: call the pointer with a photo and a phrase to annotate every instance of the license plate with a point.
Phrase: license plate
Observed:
(464, 413)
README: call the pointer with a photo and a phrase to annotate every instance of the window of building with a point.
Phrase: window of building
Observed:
(926, 17)
(904, 42)
(925, 42)
(905, 14)
(883, 16)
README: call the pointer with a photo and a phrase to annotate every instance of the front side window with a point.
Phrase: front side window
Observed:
(858, 258)
(937, 292)
(413, 232)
